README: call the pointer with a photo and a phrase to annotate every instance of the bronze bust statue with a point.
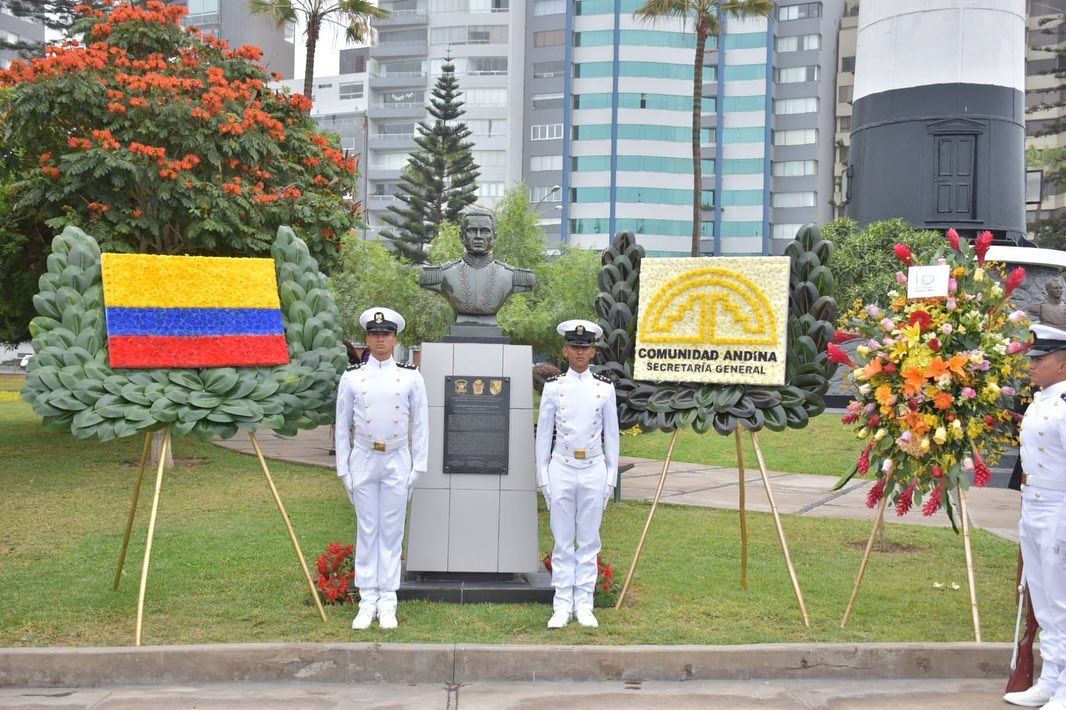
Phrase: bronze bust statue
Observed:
(477, 285)
(1051, 311)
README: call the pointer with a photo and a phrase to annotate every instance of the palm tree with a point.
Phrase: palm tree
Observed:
(352, 15)
(706, 18)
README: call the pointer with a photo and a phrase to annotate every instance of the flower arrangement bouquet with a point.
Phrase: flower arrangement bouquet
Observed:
(935, 379)
(336, 573)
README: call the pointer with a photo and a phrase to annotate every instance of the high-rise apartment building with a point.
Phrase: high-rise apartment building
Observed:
(591, 108)
(484, 41)
(1044, 102)
(608, 119)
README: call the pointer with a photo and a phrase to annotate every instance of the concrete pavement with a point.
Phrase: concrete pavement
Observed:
(464, 676)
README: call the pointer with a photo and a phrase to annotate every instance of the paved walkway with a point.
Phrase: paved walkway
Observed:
(993, 509)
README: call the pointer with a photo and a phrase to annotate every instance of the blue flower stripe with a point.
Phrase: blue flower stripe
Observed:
(194, 321)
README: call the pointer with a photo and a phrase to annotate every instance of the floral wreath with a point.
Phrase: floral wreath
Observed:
(72, 387)
(667, 406)
(934, 379)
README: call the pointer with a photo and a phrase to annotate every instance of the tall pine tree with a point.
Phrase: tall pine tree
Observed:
(441, 178)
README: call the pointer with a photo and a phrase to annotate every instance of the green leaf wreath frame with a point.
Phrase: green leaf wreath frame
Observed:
(667, 406)
(72, 387)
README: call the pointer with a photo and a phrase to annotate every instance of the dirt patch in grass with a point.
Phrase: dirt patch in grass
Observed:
(890, 547)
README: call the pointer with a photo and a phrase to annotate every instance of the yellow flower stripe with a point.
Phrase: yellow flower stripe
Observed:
(152, 281)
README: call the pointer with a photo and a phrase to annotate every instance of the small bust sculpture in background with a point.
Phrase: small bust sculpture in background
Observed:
(1051, 311)
(477, 285)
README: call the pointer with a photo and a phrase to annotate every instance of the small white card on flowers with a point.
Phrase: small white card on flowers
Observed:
(928, 281)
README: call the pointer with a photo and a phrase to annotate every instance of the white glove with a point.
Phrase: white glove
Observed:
(412, 478)
(546, 491)
(607, 496)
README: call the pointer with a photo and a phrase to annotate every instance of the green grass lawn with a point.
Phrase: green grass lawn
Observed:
(223, 570)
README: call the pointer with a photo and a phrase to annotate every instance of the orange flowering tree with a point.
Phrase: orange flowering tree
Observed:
(935, 379)
(159, 139)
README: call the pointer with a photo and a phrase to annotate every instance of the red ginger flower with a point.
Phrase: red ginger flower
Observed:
(903, 252)
(981, 474)
(933, 504)
(906, 499)
(864, 460)
(1016, 279)
(981, 246)
(876, 493)
(841, 336)
(953, 239)
(839, 356)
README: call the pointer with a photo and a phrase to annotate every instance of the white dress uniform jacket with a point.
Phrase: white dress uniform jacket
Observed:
(1042, 528)
(382, 444)
(580, 469)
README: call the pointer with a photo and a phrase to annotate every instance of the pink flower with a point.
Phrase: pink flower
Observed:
(901, 277)
(873, 311)
(1015, 347)
(887, 324)
(903, 253)
(953, 238)
(967, 464)
(1008, 391)
(1016, 317)
(950, 304)
(953, 285)
(968, 392)
(946, 329)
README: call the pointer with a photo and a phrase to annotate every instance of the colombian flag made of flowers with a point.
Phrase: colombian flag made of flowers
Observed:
(192, 311)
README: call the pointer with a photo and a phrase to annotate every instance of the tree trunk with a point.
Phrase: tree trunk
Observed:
(697, 111)
(309, 57)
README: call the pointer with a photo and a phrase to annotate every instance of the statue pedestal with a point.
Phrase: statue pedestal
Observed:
(470, 531)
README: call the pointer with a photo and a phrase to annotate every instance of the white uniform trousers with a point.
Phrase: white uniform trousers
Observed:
(1045, 573)
(380, 500)
(576, 511)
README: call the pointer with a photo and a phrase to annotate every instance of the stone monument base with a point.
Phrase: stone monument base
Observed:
(477, 588)
(464, 521)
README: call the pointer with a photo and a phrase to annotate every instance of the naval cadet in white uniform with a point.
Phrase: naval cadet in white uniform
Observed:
(577, 472)
(1042, 528)
(382, 442)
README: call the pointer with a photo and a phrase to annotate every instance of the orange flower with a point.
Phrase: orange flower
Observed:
(883, 394)
(957, 364)
(872, 368)
(937, 368)
(914, 380)
(943, 400)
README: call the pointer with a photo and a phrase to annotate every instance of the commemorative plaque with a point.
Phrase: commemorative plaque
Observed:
(476, 418)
